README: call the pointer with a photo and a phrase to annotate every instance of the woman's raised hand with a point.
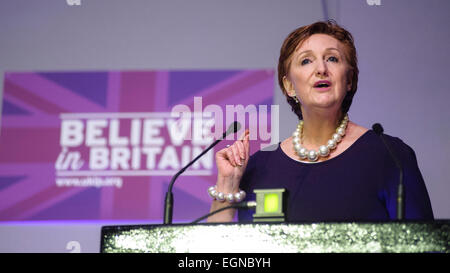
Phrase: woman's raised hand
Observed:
(231, 163)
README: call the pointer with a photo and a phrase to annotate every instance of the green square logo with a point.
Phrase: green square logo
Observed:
(271, 203)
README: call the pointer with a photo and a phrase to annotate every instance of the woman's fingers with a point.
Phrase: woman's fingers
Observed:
(237, 154)
(241, 149)
(230, 156)
(244, 135)
(246, 144)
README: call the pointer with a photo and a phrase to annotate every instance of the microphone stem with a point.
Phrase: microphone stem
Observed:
(400, 189)
(190, 163)
(400, 199)
(168, 204)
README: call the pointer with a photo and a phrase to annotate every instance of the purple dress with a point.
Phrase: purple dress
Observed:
(360, 184)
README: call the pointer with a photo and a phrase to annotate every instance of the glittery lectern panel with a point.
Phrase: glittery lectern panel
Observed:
(400, 237)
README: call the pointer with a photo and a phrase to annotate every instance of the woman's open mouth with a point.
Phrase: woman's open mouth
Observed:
(322, 85)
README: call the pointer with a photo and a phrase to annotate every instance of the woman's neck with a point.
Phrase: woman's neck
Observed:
(319, 127)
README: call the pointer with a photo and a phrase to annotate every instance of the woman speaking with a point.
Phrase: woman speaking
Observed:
(333, 169)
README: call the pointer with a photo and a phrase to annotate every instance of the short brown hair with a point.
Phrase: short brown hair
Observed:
(297, 37)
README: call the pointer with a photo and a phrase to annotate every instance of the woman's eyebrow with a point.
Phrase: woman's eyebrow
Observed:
(327, 49)
(332, 49)
(304, 52)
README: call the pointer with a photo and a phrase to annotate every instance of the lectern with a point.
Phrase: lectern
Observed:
(322, 237)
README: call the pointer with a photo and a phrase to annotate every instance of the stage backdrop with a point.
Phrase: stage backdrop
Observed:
(104, 145)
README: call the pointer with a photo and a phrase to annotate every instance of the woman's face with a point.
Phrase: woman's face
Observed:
(319, 74)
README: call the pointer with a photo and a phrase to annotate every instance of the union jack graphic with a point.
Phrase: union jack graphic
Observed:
(33, 103)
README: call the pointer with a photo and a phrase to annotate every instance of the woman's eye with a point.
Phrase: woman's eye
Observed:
(333, 59)
(305, 61)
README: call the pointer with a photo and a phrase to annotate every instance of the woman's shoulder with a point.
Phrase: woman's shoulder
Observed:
(359, 131)
(362, 139)
(399, 147)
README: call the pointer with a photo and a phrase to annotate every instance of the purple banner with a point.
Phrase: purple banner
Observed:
(104, 145)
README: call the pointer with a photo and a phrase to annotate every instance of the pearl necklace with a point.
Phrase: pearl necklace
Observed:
(324, 150)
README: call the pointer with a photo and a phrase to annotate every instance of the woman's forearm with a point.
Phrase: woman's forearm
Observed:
(223, 216)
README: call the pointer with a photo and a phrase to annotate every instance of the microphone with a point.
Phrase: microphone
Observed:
(168, 204)
(400, 190)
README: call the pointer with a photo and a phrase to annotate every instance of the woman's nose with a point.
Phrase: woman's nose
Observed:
(321, 69)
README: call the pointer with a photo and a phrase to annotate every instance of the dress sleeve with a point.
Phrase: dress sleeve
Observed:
(417, 200)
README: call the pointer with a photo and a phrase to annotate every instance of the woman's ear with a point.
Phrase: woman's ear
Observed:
(349, 80)
(288, 87)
